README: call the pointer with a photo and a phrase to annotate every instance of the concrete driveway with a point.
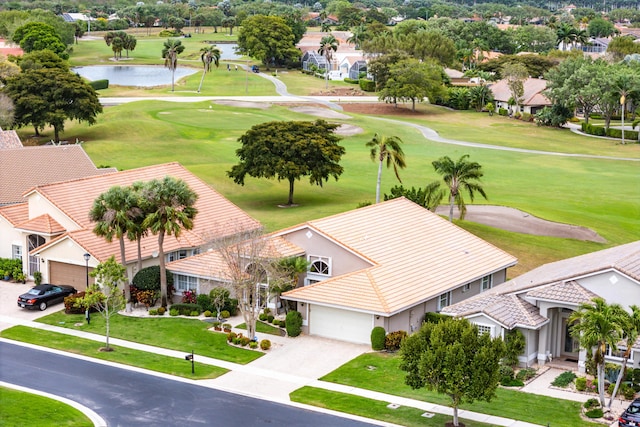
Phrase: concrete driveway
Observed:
(8, 306)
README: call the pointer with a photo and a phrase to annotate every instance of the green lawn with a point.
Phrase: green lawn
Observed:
(381, 372)
(167, 332)
(263, 328)
(18, 409)
(371, 408)
(203, 137)
(123, 355)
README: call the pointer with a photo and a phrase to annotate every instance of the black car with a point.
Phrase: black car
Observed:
(631, 415)
(43, 296)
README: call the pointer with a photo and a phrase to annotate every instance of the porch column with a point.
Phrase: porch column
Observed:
(543, 339)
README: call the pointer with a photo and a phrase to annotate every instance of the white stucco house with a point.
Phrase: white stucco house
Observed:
(539, 302)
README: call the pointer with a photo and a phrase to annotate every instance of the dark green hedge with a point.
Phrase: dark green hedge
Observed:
(99, 84)
(367, 85)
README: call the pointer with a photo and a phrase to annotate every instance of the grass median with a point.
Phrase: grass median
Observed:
(123, 355)
(20, 409)
(381, 372)
(165, 332)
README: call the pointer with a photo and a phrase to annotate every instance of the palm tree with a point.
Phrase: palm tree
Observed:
(210, 54)
(357, 35)
(289, 270)
(136, 231)
(597, 325)
(172, 48)
(170, 210)
(328, 45)
(459, 176)
(115, 212)
(565, 35)
(631, 330)
(386, 148)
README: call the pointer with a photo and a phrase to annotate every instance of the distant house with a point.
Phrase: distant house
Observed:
(51, 230)
(8, 48)
(540, 302)
(533, 99)
(9, 139)
(382, 265)
(315, 19)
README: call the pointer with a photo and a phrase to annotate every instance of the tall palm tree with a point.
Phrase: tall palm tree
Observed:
(631, 329)
(357, 35)
(459, 176)
(210, 54)
(171, 208)
(565, 35)
(115, 212)
(328, 45)
(172, 48)
(597, 325)
(289, 270)
(386, 148)
(136, 231)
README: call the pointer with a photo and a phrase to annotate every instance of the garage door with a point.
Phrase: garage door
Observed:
(340, 324)
(61, 273)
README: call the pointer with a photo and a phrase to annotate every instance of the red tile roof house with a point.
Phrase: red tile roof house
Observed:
(383, 265)
(52, 225)
(533, 99)
(539, 303)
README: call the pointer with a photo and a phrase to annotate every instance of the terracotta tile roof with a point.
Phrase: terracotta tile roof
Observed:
(417, 255)
(16, 213)
(570, 292)
(217, 216)
(24, 168)
(533, 89)
(42, 224)
(9, 139)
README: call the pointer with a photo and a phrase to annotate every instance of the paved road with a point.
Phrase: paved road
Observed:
(128, 398)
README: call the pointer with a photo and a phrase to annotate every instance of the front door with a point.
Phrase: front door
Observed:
(570, 345)
(34, 242)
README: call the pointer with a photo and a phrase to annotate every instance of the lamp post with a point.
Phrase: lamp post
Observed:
(623, 104)
(86, 261)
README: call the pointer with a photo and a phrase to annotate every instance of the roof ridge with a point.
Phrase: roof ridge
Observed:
(376, 289)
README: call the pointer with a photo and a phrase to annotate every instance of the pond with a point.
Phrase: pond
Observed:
(133, 75)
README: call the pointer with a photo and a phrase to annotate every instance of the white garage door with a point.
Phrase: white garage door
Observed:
(340, 324)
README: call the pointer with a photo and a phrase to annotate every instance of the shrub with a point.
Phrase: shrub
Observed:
(236, 340)
(186, 309)
(526, 117)
(294, 323)
(194, 313)
(265, 344)
(244, 341)
(231, 336)
(148, 298)
(511, 382)
(503, 112)
(506, 372)
(174, 312)
(99, 84)
(37, 278)
(367, 85)
(564, 379)
(283, 323)
(161, 311)
(225, 314)
(377, 338)
(207, 314)
(153, 312)
(253, 345)
(270, 318)
(352, 81)
(526, 374)
(204, 301)
(591, 403)
(514, 343)
(431, 317)
(594, 413)
(393, 340)
(216, 324)
(266, 310)
(581, 384)
(70, 301)
(628, 391)
(226, 326)
(149, 279)
(262, 317)
(610, 389)
(169, 33)
(189, 297)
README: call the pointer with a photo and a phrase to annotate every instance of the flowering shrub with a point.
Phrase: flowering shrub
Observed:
(189, 297)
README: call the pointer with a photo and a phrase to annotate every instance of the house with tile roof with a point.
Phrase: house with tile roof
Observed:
(45, 164)
(51, 230)
(533, 98)
(382, 265)
(9, 139)
(540, 302)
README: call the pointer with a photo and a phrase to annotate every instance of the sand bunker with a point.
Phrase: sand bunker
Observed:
(325, 113)
(515, 220)
(244, 104)
(348, 130)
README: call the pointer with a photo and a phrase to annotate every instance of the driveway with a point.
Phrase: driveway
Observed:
(8, 306)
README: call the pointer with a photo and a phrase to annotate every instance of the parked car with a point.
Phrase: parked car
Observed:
(631, 415)
(45, 295)
(255, 69)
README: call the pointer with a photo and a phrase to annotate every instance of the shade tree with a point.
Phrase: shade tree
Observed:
(268, 39)
(412, 80)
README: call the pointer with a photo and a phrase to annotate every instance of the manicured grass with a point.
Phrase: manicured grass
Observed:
(580, 191)
(263, 328)
(18, 409)
(166, 332)
(123, 355)
(371, 408)
(381, 372)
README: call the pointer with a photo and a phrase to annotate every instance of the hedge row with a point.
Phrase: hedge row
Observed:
(590, 129)
(99, 84)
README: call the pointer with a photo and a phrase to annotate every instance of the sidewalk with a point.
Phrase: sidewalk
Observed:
(275, 380)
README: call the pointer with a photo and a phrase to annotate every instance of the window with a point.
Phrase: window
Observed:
(319, 265)
(185, 283)
(466, 287)
(484, 329)
(308, 282)
(444, 300)
(16, 252)
(487, 282)
(174, 256)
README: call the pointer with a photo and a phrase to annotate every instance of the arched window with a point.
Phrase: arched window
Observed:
(319, 265)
